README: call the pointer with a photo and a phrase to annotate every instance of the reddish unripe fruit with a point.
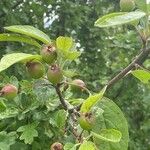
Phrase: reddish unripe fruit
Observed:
(49, 54)
(55, 74)
(9, 91)
(56, 146)
(77, 85)
(86, 121)
(35, 69)
(127, 5)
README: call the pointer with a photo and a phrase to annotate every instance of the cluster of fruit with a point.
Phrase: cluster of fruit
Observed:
(36, 70)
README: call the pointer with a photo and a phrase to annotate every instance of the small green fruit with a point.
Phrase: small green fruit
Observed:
(35, 69)
(56, 146)
(49, 54)
(77, 85)
(127, 5)
(86, 121)
(9, 91)
(55, 74)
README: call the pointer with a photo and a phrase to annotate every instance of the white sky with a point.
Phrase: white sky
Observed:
(148, 1)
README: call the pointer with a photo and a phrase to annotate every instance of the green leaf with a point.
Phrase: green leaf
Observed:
(7, 139)
(111, 135)
(8, 113)
(14, 81)
(70, 146)
(2, 106)
(75, 101)
(119, 18)
(30, 31)
(87, 145)
(28, 133)
(19, 146)
(64, 43)
(111, 118)
(10, 59)
(19, 38)
(69, 73)
(92, 100)
(142, 5)
(72, 55)
(65, 46)
(142, 75)
(60, 118)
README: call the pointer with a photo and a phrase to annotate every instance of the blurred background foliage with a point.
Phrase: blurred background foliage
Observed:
(104, 51)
